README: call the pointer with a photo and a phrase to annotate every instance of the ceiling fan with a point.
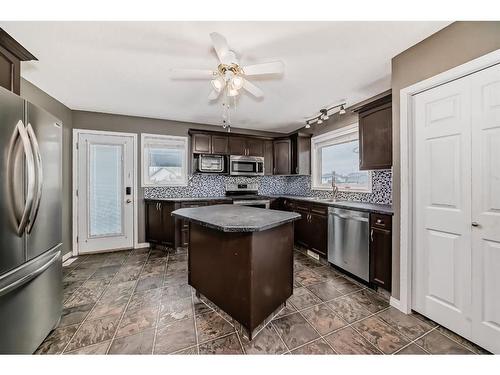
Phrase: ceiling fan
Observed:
(229, 76)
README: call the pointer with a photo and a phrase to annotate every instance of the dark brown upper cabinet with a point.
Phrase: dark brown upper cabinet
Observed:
(301, 153)
(255, 147)
(220, 144)
(246, 146)
(202, 143)
(282, 156)
(292, 155)
(375, 134)
(11, 55)
(237, 146)
(268, 158)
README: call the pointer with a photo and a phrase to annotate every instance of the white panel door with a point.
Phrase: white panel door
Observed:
(486, 208)
(105, 205)
(442, 241)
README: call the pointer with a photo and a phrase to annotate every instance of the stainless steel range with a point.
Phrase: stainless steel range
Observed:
(246, 195)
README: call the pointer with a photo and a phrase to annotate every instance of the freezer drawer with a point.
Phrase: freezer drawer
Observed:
(30, 303)
(348, 245)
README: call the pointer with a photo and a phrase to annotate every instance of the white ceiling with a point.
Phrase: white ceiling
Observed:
(123, 67)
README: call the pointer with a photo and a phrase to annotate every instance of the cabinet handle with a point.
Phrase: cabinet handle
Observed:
(371, 235)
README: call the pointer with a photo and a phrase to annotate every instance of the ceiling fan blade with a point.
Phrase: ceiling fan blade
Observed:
(252, 89)
(221, 48)
(191, 74)
(214, 94)
(274, 67)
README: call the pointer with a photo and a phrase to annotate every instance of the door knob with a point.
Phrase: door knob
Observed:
(475, 224)
(129, 201)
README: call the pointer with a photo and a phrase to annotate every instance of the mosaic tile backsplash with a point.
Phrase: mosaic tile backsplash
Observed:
(204, 185)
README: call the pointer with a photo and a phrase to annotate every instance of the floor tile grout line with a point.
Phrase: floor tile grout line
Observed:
(414, 342)
(194, 321)
(281, 338)
(159, 307)
(320, 335)
(92, 309)
(241, 344)
(454, 340)
(128, 302)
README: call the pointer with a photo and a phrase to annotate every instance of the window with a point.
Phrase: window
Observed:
(164, 160)
(336, 155)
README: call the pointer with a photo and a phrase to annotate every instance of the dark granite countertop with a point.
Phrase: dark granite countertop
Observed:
(233, 218)
(358, 206)
(190, 199)
(351, 205)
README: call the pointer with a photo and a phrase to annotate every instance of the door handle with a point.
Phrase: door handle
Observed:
(371, 235)
(39, 178)
(475, 224)
(20, 132)
(129, 200)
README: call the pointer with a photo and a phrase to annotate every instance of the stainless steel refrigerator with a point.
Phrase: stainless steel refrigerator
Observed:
(30, 224)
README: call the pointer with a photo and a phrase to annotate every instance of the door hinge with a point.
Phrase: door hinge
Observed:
(76, 238)
(77, 145)
(77, 192)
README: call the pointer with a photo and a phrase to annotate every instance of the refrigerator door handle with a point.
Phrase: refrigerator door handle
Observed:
(23, 280)
(39, 178)
(20, 132)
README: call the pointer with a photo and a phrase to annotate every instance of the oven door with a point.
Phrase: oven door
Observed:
(245, 166)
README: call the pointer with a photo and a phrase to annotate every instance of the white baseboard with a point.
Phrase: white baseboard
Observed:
(67, 256)
(141, 245)
(396, 304)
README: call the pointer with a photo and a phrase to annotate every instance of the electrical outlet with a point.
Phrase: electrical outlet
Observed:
(312, 254)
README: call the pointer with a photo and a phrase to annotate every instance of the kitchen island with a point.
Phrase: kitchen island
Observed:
(241, 258)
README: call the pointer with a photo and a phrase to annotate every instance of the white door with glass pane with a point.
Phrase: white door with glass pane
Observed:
(105, 192)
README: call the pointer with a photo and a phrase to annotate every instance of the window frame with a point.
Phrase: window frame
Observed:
(334, 137)
(160, 139)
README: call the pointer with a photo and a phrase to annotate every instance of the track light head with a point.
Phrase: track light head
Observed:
(342, 110)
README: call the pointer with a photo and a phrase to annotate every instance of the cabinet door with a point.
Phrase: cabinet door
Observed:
(282, 156)
(375, 138)
(167, 224)
(381, 257)
(201, 143)
(255, 147)
(318, 233)
(301, 228)
(220, 144)
(237, 146)
(268, 158)
(10, 68)
(184, 224)
(153, 222)
(300, 154)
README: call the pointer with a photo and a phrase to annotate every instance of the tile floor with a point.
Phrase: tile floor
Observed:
(138, 302)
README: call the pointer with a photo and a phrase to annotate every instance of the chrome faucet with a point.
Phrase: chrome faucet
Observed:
(335, 188)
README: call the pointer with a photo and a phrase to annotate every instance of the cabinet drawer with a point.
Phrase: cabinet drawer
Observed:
(319, 209)
(302, 206)
(381, 221)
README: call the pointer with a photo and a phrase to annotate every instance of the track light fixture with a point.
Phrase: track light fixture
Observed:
(323, 114)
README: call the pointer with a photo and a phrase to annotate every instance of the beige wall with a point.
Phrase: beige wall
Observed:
(138, 125)
(452, 46)
(38, 97)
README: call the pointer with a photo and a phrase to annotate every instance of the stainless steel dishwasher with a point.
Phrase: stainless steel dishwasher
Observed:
(348, 246)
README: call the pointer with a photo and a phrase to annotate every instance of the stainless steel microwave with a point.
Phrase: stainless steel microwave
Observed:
(246, 165)
(211, 163)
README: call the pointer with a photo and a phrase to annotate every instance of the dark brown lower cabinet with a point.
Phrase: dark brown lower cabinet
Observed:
(160, 227)
(165, 230)
(381, 250)
(312, 230)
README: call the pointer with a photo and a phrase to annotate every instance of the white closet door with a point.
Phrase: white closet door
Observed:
(442, 243)
(486, 208)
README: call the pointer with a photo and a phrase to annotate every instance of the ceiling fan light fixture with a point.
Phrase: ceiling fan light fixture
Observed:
(232, 92)
(218, 83)
(237, 82)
